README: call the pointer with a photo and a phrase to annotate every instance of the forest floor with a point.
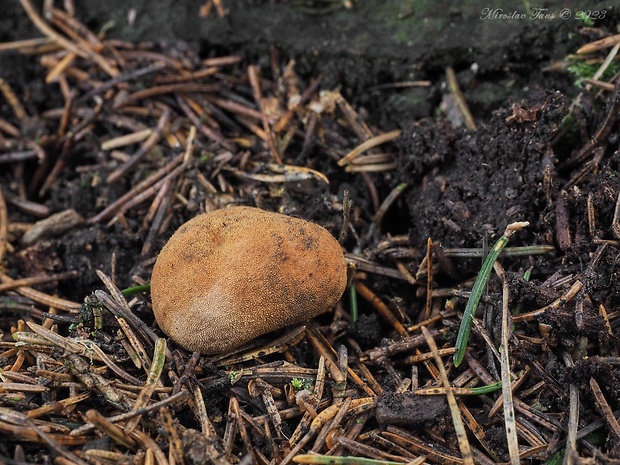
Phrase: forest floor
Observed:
(108, 146)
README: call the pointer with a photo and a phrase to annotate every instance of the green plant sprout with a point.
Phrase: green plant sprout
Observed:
(557, 458)
(136, 289)
(234, 376)
(478, 289)
(587, 20)
(300, 384)
(476, 391)
(582, 70)
(353, 302)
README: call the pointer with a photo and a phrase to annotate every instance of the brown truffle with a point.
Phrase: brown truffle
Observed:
(231, 275)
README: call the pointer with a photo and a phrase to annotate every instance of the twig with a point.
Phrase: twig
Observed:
(459, 98)
(24, 44)
(68, 45)
(116, 433)
(509, 412)
(43, 298)
(147, 145)
(603, 131)
(211, 133)
(4, 227)
(172, 400)
(368, 144)
(573, 415)
(429, 278)
(159, 357)
(16, 105)
(53, 444)
(461, 435)
(375, 227)
(253, 75)
(383, 309)
(326, 415)
(574, 289)
(346, 210)
(600, 44)
(603, 405)
(139, 73)
(37, 280)
(141, 187)
(162, 200)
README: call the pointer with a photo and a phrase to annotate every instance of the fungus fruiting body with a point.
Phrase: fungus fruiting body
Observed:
(228, 276)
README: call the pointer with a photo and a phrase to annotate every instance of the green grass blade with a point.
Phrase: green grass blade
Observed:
(353, 302)
(135, 290)
(476, 292)
(486, 389)
(474, 299)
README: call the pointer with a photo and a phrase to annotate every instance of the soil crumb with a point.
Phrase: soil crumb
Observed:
(409, 409)
(472, 184)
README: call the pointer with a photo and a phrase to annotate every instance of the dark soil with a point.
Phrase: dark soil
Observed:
(473, 183)
(534, 157)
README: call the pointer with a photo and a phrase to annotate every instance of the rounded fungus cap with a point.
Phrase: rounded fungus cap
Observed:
(231, 275)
